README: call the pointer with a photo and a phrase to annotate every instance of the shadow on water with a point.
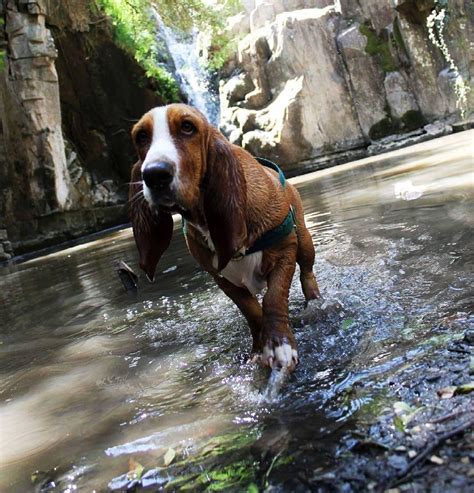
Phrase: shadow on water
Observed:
(95, 381)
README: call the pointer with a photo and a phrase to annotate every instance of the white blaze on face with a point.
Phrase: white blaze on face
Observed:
(162, 146)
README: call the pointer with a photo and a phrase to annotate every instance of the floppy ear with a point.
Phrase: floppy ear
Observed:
(225, 199)
(152, 229)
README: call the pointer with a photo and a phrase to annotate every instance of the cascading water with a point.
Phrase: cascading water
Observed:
(193, 78)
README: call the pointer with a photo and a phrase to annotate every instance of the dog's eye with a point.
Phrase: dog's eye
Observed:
(187, 127)
(141, 139)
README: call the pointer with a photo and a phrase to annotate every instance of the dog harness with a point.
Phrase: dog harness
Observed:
(275, 235)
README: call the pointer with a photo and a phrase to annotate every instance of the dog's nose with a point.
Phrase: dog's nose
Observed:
(158, 175)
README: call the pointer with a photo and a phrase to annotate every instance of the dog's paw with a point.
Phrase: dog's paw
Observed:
(278, 353)
(318, 309)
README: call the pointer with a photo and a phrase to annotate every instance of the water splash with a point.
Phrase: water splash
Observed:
(194, 79)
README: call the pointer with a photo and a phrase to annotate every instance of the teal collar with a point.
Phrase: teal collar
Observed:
(277, 234)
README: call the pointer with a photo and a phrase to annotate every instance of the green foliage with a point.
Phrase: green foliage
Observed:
(379, 48)
(186, 14)
(134, 31)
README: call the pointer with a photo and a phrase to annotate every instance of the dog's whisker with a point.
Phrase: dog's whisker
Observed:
(136, 197)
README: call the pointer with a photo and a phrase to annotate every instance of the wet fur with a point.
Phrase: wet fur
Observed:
(225, 193)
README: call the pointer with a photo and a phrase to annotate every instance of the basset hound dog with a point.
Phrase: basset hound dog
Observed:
(243, 222)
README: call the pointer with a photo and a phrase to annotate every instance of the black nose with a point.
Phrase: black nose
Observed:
(158, 175)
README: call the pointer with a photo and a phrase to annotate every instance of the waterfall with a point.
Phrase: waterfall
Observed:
(194, 79)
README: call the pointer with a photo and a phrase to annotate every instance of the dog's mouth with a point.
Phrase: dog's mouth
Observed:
(163, 199)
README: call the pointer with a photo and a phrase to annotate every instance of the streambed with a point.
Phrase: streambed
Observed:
(95, 382)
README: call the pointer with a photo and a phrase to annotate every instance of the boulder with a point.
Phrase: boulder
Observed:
(294, 67)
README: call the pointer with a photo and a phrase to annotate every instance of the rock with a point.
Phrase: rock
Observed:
(423, 74)
(311, 98)
(438, 129)
(7, 246)
(399, 97)
(463, 125)
(286, 126)
(92, 90)
(3, 235)
(365, 78)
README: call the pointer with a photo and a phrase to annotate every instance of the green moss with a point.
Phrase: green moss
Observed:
(135, 32)
(384, 127)
(412, 119)
(223, 464)
(379, 48)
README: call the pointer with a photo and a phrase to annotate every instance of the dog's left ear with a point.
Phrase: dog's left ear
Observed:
(225, 199)
(152, 230)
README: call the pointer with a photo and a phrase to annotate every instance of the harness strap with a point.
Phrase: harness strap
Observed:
(275, 235)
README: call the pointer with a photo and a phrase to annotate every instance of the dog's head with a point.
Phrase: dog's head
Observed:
(185, 165)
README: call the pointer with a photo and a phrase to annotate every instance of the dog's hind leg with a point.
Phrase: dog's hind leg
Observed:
(249, 306)
(305, 253)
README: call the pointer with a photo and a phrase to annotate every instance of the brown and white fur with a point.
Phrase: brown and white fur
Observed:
(229, 200)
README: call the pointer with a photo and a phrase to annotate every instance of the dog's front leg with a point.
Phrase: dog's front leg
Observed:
(248, 305)
(279, 345)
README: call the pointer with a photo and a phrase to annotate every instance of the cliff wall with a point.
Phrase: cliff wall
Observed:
(69, 96)
(319, 82)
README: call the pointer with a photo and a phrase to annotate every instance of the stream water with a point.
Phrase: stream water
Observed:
(94, 380)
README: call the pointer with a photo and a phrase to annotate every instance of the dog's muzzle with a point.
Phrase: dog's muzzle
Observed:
(158, 177)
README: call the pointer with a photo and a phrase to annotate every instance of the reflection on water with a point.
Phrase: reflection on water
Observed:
(91, 377)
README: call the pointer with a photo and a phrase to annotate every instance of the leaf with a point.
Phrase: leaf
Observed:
(252, 488)
(401, 407)
(135, 469)
(464, 389)
(169, 456)
(404, 413)
(399, 423)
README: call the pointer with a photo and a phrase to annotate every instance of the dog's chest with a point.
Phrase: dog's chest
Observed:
(243, 272)
(246, 272)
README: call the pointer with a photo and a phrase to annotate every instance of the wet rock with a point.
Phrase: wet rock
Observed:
(463, 125)
(3, 255)
(469, 336)
(438, 129)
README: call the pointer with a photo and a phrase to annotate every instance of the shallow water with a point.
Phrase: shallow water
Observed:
(92, 377)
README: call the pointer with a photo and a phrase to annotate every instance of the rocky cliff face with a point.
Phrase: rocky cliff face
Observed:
(69, 96)
(317, 81)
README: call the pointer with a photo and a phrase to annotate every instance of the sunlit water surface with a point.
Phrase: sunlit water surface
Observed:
(92, 377)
